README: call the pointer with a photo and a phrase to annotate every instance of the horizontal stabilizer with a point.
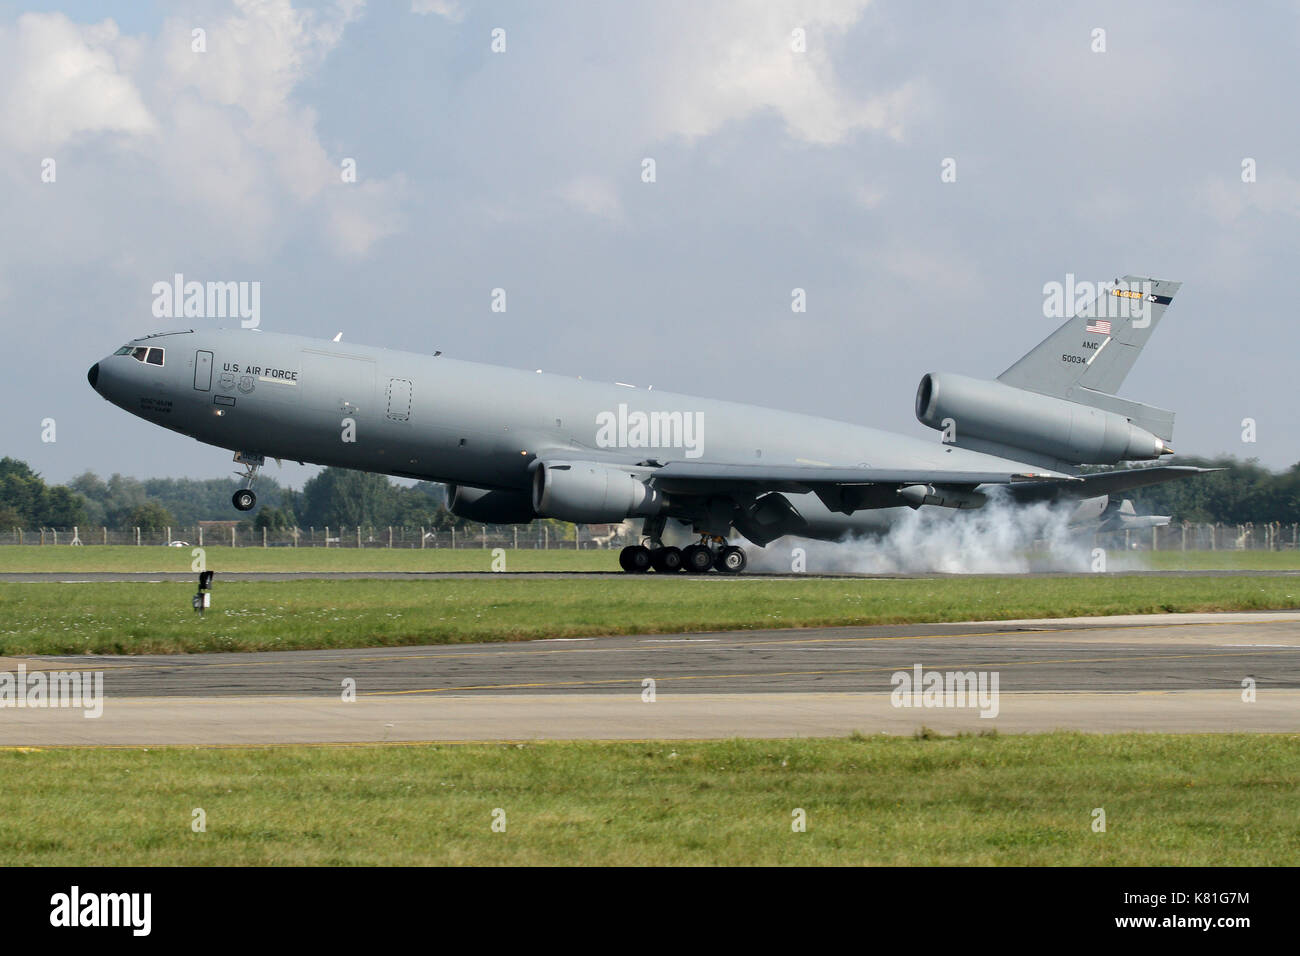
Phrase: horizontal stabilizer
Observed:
(1104, 483)
(1104, 514)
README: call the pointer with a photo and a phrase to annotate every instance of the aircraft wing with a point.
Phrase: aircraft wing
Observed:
(849, 489)
(841, 489)
(677, 474)
(1104, 483)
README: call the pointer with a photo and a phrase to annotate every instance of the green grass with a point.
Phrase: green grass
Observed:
(132, 618)
(33, 558)
(1222, 560)
(1026, 800)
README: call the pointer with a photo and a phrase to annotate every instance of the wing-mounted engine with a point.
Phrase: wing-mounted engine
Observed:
(980, 414)
(490, 506)
(587, 492)
(768, 518)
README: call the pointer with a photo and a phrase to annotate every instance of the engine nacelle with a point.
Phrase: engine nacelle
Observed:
(770, 517)
(587, 492)
(942, 496)
(1053, 426)
(490, 507)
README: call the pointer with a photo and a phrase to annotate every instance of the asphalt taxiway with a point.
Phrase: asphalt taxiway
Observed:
(1169, 672)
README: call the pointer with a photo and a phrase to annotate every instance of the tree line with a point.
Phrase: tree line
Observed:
(335, 497)
(1243, 491)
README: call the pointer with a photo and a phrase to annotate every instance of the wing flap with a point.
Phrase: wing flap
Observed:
(1105, 483)
(809, 477)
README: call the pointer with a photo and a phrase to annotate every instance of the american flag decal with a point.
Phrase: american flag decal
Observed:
(1100, 326)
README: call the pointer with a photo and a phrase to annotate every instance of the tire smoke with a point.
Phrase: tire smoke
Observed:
(1000, 538)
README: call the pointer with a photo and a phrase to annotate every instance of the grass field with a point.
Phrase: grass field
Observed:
(1221, 560)
(34, 558)
(125, 558)
(131, 618)
(1186, 800)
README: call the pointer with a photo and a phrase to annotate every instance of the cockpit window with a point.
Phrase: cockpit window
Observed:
(153, 356)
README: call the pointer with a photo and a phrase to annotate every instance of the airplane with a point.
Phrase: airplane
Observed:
(514, 445)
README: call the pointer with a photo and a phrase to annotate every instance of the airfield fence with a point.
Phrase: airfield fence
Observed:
(529, 537)
(1185, 536)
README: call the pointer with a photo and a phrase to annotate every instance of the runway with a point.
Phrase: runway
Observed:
(1174, 672)
(153, 577)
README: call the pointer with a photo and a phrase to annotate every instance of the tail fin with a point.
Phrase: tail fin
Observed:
(1089, 356)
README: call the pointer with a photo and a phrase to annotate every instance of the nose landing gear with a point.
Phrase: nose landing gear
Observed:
(244, 499)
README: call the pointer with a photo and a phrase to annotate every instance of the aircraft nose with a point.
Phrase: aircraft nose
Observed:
(93, 376)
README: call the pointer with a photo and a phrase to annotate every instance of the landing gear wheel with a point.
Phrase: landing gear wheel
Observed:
(634, 559)
(730, 560)
(667, 560)
(697, 559)
(244, 499)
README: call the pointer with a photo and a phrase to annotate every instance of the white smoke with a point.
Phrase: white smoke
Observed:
(1000, 538)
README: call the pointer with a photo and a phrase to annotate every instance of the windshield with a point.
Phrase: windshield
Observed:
(141, 353)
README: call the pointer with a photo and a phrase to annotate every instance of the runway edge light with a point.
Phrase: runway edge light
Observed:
(203, 599)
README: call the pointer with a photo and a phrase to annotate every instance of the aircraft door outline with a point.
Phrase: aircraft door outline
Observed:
(203, 371)
(399, 399)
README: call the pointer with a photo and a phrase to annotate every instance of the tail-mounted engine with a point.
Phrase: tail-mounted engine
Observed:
(1018, 419)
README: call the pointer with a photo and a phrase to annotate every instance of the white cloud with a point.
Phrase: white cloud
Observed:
(221, 134)
(362, 214)
(1229, 199)
(448, 9)
(62, 79)
(868, 195)
(942, 271)
(593, 195)
(732, 60)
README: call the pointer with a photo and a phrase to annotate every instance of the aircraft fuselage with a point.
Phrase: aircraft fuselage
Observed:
(440, 419)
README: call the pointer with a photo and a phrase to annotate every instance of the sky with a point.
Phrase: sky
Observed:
(920, 171)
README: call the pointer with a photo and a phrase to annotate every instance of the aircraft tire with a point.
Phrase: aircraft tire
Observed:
(697, 559)
(243, 499)
(634, 559)
(730, 560)
(667, 560)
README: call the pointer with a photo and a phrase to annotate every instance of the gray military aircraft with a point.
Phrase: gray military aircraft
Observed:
(514, 445)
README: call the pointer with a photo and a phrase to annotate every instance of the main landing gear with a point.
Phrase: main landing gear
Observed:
(244, 499)
(711, 553)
